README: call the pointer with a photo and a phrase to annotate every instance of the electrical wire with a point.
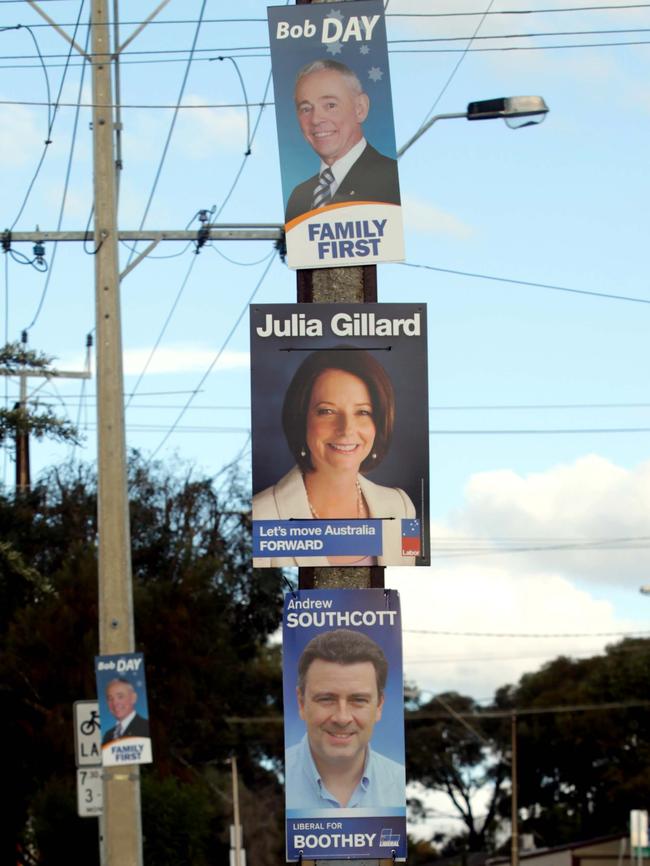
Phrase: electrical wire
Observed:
(217, 356)
(517, 635)
(243, 87)
(606, 295)
(249, 143)
(521, 35)
(234, 261)
(608, 8)
(451, 76)
(173, 121)
(250, 139)
(266, 54)
(174, 22)
(162, 331)
(470, 38)
(51, 118)
(521, 47)
(65, 192)
(479, 408)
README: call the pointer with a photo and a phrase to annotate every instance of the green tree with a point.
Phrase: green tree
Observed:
(580, 770)
(460, 757)
(203, 619)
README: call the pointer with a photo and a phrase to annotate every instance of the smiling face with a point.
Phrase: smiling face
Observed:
(330, 113)
(121, 699)
(340, 706)
(340, 427)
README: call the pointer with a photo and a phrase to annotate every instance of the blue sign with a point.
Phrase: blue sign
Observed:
(344, 725)
(317, 538)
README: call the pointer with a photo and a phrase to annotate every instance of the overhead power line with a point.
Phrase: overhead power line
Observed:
(250, 20)
(525, 635)
(606, 295)
(417, 715)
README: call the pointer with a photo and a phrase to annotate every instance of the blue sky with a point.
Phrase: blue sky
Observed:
(563, 204)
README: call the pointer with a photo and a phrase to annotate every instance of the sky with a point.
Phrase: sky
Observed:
(528, 246)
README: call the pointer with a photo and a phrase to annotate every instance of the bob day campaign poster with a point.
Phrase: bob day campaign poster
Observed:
(336, 134)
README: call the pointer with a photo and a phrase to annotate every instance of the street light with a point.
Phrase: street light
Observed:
(517, 111)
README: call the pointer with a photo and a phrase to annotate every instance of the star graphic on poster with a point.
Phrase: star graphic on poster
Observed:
(335, 14)
(365, 49)
(375, 74)
(334, 48)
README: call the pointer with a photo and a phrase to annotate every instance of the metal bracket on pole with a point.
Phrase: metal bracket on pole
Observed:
(59, 30)
(141, 27)
(136, 261)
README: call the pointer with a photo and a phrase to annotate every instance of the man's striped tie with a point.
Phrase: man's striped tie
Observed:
(323, 192)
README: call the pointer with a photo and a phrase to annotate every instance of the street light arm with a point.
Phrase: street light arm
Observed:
(513, 109)
(425, 127)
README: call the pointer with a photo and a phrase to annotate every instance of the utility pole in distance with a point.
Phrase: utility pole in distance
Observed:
(122, 839)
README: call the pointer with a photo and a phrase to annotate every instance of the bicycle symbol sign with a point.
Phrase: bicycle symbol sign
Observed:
(87, 734)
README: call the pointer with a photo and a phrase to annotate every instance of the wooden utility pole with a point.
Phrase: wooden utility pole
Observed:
(514, 813)
(236, 842)
(350, 285)
(23, 476)
(122, 841)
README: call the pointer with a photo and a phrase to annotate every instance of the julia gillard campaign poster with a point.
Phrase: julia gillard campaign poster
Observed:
(340, 434)
(336, 134)
(344, 724)
(123, 709)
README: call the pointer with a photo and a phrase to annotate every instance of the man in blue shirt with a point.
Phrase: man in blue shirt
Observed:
(341, 681)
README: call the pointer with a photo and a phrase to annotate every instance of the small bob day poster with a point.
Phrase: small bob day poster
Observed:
(123, 709)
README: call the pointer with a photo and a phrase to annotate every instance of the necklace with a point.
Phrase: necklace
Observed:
(361, 507)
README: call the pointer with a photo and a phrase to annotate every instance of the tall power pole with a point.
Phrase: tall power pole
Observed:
(122, 839)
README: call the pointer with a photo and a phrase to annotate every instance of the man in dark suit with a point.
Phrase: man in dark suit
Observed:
(331, 107)
(121, 698)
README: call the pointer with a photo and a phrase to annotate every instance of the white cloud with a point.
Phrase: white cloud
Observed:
(464, 604)
(485, 602)
(428, 219)
(583, 510)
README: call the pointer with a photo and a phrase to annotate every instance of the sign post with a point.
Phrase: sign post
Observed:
(87, 746)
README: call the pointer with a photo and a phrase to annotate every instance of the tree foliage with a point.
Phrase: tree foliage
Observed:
(582, 770)
(203, 619)
(39, 420)
(460, 758)
(583, 755)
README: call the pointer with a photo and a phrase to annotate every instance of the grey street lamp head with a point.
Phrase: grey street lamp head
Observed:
(517, 111)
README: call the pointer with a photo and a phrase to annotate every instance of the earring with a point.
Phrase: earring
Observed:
(303, 453)
(374, 456)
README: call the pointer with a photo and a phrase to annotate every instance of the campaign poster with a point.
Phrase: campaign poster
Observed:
(344, 724)
(123, 710)
(340, 435)
(336, 134)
